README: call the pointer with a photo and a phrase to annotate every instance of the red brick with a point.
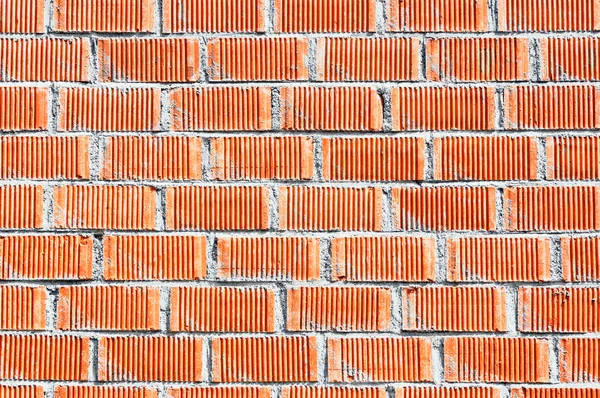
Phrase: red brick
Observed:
(330, 208)
(217, 208)
(21, 206)
(152, 158)
(23, 108)
(448, 392)
(384, 359)
(104, 15)
(213, 16)
(485, 158)
(552, 107)
(578, 360)
(501, 259)
(219, 392)
(554, 208)
(151, 257)
(266, 59)
(437, 16)
(193, 309)
(45, 59)
(23, 308)
(331, 108)
(554, 392)
(460, 309)
(444, 208)
(559, 309)
(262, 158)
(580, 259)
(573, 158)
(374, 158)
(42, 357)
(149, 60)
(496, 359)
(324, 16)
(221, 108)
(104, 392)
(264, 359)
(42, 158)
(570, 58)
(385, 258)
(368, 59)
(344, 309)
(109, 109)
(22, 16)
(22, 391)
(270, 258)
(332, 392)
(478, 59)
(104, 207)
(531, 15)
(443, 108)
(108, 308)
(150, 358)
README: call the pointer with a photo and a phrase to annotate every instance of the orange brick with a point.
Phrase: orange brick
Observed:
(152, 257)
(104, 207)
(21, 206)
(444, 209)
(554, 208)
(578, 360)
(385, 258)
(262, 158)
(384, 359)
(45, 59)
(108, 308)
(44, 157)
(213, 16)
(152, 158)
(496, 359)
(193, 309)
(478, 59)
(104, 15)
(22, 16)
(339, 308)
(448, 392)
(217, 208)
(332, 392)
(324, 16)
(270, 258)
(368, 59)
(23, 308)
(374, 158)
(331, 108)
(219, 392)
(266, 59)
(330, 208)
(559, 309)
(221, 108)
(554, 392)
(437, 16)
(573, 158)
(264, 359)
(498, 259)
(149, 60)
(23, 108)
(109, 109)
(22, 391)
(580, 259)
(42, 357)
(443, 108)
(460, 309)
(150, 358)
(552, 107)
(104, 392)
(531, 15)
(571, 58)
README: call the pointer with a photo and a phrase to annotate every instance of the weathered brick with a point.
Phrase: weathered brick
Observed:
(21, 206)
(437, 16)
(22, 391)
(447, 392)
(213, 16)
(24, 108)
(554, 392)
(104, 15)
(23, 308)
(578, 360)
(332, 392)
(324, 16)
(570, 58)
(573, 158)
(219, 392)
(531, 15)
(580, 259)
(104, 392)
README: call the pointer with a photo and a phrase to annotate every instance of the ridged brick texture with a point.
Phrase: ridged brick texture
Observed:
(332, 392)
(470, 309)
(150, 358)
(580, 259)
(550, 392)
(153, 257)
(22, 308)
(578, 359)
(22, 391)
(104, 392)
(264, 359)
(447, 392)
(213, 16)
(530, 15)
(339, 308)
(22, 16)
(573, 158)
(23, 108)
(104, 15)
(383, 359)
(437, 16)
(240, 310)
(325, 16)
(481, 59)
(22, 206)
(501, 259)
(219, 392)
(564, 59)
(485, 158)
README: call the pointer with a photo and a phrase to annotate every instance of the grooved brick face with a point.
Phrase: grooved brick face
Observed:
(437, 16)
(578, 360)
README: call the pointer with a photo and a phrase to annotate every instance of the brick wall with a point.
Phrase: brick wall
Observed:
(299, 199)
